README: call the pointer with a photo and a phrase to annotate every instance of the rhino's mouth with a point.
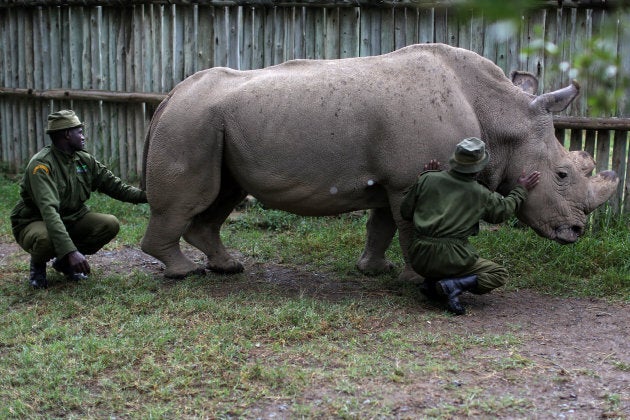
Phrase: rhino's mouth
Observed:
(568, 234)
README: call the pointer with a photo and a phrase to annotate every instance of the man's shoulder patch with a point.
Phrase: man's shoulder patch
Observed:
(41, 167)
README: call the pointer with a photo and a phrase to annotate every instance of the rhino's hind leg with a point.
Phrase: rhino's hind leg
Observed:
(380, 232)
(161, 240)
(204, 231)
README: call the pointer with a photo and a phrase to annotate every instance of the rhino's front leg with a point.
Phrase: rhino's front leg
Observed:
(405, 237)
(380, 229)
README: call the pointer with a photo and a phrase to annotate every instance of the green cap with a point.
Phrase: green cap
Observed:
(470, 156)
(62, 120)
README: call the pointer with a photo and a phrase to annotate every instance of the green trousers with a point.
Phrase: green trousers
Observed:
(89, 235)
(490, 275)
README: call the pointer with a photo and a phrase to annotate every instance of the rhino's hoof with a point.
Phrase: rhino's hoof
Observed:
(234, 267)
(178, 276)
(409, 276)
(371, 267)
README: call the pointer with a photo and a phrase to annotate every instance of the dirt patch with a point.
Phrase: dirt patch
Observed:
(578, 348)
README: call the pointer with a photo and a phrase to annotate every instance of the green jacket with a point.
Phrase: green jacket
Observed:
(446, 208)
(56, 186)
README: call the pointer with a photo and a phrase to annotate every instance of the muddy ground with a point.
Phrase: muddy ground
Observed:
(579, 348)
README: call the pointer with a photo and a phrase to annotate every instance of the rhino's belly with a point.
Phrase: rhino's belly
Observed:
(318, 200)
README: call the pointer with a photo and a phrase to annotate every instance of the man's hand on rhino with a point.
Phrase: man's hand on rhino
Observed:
(433, 165)
(529, 181)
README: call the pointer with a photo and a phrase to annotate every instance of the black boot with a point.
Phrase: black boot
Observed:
(428, 289)
(62, 266)
(452, 288)
(37, 278)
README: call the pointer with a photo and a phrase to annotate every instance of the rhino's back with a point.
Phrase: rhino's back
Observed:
(418, 64)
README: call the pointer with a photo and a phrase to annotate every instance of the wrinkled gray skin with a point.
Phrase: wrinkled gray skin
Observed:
(331, 136)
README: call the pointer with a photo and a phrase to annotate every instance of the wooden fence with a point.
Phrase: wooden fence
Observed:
(111, 60)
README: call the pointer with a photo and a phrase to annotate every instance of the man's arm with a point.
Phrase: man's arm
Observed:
(499, 208)
(106, 182)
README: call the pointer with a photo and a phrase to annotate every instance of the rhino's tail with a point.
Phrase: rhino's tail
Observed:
(145, 152)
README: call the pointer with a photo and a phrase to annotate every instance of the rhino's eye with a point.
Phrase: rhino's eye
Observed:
(562, 174)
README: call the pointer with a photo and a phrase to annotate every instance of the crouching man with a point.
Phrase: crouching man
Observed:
(445, 208)
(51, 219)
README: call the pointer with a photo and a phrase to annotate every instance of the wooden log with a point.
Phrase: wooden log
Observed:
(536, 59)
(589, 142)
(83, 94)
(190, 47)
(248, 41)
(331, 37)
(426, 26)
(267, 54)
(320, 32)
(388, 37)
(477, 28)
(440, 20)
(311, 24)
(349, 32)
(278, 36)
(618, 164)
(560, 134)
(591, 123)
(370, 32)
(603, 150)
(291, 43)
(205, 37)
(553, 34)
(576, 139)
(233, 19)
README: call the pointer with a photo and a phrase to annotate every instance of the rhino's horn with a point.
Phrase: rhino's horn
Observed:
(557, 100)
(600, 189)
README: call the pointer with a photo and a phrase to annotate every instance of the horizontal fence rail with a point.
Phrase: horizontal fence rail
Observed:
(112, 61)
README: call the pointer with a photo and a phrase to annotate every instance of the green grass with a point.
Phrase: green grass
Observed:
(136, 346)
(598, 265)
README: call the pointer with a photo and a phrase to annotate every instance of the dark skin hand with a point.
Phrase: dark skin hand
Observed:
(433, 165)
(78, 262)
(529, 181)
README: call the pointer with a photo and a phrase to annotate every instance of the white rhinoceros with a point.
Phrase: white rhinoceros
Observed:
(322, 137)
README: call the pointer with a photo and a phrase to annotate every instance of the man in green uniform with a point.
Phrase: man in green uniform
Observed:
(445, 208)
(51, 219)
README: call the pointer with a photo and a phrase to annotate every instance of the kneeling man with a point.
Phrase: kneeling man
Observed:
(51, 219)
(445, 208)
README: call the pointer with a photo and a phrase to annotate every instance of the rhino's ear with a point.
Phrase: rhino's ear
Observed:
(557, 100)
(525, 80)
